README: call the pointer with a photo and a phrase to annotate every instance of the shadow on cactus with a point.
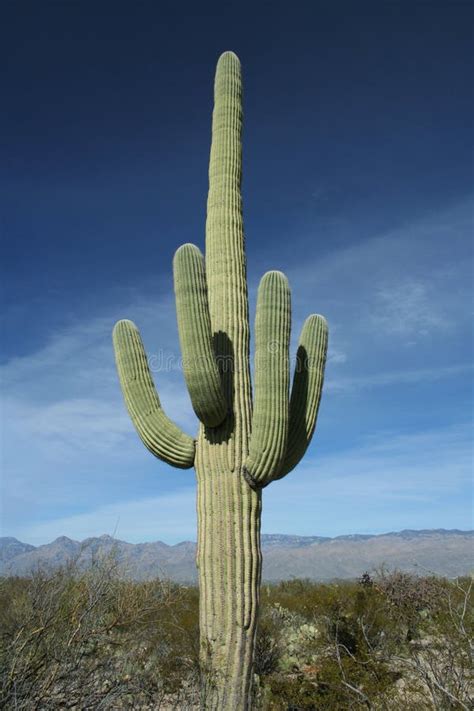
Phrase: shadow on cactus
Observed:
(244, 443)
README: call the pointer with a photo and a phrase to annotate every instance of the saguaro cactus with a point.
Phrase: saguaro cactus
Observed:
(242, 445)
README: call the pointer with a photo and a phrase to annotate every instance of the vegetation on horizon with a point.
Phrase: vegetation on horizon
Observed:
(89, 639)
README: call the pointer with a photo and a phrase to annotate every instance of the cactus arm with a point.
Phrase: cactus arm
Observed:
(271, 382)
(158, 433)
(306, 390)
(199, 363)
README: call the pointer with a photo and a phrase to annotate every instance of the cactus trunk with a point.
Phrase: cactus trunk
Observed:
(240, 448)
(229, 556)
(229, 563)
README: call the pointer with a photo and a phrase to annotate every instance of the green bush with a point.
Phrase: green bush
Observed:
(96, 640)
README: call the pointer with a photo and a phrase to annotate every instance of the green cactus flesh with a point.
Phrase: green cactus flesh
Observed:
(199, 362)
(242, 446)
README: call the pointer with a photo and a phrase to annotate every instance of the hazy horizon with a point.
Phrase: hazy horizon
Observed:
(285, 535)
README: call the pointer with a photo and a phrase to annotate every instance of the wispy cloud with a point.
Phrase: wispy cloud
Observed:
(342, 384)
(76, 366)
(67, 440)
(170, 517)
(64, 428)
(407, 283)
(408, 309)
(388, 482)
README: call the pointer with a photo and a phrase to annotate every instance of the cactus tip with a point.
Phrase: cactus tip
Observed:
(187, 247)
(123, 323)
(276, 274)
(318, 317)
(228, 54)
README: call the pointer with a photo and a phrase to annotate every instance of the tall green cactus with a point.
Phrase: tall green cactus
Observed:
(242, 445)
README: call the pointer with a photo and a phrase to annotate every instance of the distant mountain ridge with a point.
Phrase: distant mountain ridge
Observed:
(10, 548)
(444, 552)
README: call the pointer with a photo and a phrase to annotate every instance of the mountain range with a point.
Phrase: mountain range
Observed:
(443, 552)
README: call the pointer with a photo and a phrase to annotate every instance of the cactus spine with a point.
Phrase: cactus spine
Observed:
(242, 446)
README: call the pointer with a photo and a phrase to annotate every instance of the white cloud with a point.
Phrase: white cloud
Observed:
(66, 436)
(406, 283)
(389, 482)
(74, 371)
(335, 356)
(408, 309)
(391, 465)
(63, 428)
(68, 439)
(343, 384)
(170, 517)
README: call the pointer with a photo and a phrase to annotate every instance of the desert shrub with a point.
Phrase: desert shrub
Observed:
(387, 641)
(411, 599)
(289, 693)
(301, 597)
(171, 637)
(268, 650)
(440, 657)
(93, 640)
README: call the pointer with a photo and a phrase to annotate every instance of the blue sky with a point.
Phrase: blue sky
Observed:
(358, 183)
